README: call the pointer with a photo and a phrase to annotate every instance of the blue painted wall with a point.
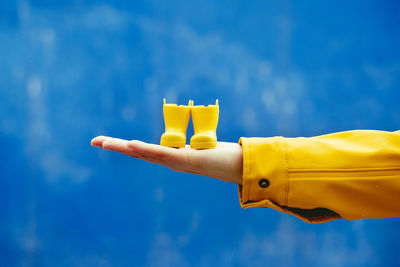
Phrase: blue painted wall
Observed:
(71, 70)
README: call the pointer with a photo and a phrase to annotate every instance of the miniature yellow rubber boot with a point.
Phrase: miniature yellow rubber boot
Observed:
(205, 121)
(176, 119)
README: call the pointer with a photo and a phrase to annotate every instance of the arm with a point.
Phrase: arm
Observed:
(351, 175)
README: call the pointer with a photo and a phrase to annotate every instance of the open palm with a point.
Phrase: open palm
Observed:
(224, 162)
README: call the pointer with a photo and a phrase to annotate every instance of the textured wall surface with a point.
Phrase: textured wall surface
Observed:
(71, 70)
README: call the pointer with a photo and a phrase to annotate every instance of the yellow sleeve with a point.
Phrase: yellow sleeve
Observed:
(351, 175)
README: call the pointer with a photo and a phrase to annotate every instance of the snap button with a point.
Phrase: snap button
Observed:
(264, 183)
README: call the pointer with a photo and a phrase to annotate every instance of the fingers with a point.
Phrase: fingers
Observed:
(98, 141)
(161, 153)
(166, 156)
(117, 145)
(170, 157)
(114, 144)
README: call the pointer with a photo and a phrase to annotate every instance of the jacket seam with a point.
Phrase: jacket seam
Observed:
(249, 152)
(286, 169)
(362, 169)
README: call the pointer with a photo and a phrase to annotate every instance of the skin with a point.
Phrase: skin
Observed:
(225, 162)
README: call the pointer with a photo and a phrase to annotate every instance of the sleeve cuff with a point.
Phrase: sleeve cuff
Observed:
(265, 179)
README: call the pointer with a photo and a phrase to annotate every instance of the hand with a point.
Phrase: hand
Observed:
(225, 162)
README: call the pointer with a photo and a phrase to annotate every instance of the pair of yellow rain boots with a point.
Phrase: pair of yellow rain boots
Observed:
(205, 121)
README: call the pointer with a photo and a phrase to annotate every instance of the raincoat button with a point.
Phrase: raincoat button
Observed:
(264, 183)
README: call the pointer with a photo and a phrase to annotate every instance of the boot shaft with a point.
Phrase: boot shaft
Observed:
(205, 118)
(176, 118)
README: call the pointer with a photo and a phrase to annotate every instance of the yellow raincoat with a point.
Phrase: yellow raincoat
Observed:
(351, 175)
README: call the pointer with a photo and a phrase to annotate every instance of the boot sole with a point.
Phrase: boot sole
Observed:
(203, 145)
(172, 143)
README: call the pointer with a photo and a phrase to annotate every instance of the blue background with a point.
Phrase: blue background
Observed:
(71, 70)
